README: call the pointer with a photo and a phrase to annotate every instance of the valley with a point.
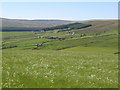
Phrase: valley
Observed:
(72, 55)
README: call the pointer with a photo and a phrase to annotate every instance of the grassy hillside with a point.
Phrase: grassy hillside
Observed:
(59, 69)
(87, 37)
(78, 58)
(19, 24)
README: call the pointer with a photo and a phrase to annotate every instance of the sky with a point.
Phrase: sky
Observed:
(60, 10)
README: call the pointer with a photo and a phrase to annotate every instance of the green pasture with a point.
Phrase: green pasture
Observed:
(59, 69)
(9, 34)
(84, 59)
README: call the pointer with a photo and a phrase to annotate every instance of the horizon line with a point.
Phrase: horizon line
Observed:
(59, 19)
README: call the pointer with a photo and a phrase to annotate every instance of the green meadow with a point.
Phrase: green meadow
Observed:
(85, 58)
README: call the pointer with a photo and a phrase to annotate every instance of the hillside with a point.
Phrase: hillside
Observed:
(9, 24)
(87, 57)
(99, 34)
(68, 27)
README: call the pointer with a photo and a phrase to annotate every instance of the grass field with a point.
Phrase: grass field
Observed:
(77, 62)
(59, 69)
(9, 34)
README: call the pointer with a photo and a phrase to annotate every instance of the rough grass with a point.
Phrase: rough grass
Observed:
(59, 69)
(77, 62)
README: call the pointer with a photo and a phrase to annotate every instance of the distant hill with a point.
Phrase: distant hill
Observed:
(32, 23)
(21, 24)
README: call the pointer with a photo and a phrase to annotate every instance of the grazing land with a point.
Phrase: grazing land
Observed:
(61, 57)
